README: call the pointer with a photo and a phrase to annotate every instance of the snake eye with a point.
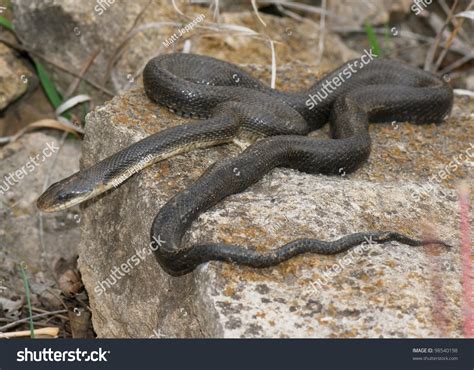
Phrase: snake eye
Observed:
(63, 194)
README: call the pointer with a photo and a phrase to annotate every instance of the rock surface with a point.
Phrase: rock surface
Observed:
(374, 11)
(27, 166)
(13, 76)
(384, 291)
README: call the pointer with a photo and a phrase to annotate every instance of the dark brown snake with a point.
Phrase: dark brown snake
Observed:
(228, 100)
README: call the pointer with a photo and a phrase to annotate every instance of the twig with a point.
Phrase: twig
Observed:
(21, 321)
(173, 2)
(40, 310)
(290, 14)
(255, 9)
(322, 28)
(216, 14)
(436, 22)
(447, 44)
(457, 63)
(463, 92)
(57, 296)
(74, 84)
(431, 52)
(445, 8)
(274, 67)
(461, 74)
(43, 123)
(48, 332)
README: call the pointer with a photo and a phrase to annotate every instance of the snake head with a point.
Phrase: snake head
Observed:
(66, 193)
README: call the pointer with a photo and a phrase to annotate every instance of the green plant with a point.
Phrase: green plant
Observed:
(373, 42)
(46, 83)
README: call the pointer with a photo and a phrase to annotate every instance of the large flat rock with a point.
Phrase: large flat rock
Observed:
(375, 291)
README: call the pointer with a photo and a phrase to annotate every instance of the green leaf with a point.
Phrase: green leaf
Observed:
(47, 85)
(49, 88)
(373, 42)
(6, 23)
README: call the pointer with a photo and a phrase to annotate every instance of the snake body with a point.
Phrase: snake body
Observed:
(228, 101)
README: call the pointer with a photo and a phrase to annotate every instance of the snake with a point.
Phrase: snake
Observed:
(225, 102)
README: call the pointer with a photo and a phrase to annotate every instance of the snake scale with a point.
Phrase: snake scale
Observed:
(228, 101)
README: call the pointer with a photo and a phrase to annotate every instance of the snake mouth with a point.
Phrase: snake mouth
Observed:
(62, 195)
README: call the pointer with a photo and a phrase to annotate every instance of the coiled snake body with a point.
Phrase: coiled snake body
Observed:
(228, 100)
